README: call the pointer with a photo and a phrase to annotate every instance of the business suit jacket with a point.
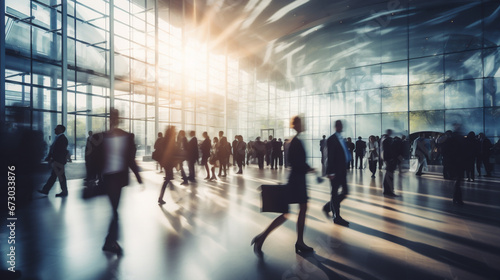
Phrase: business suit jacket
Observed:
(336, 161)
(122, 177)
(59, 150)
(297, 179)
(192, 148)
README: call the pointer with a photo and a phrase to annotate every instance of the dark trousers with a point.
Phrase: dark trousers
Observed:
(359, 158)
(484, 160)
(334, 204)
(280, 159)
(260, 161)
(469, 168)
(390, 166)
(191, 164)
(372, 165)
(113, 190)
(57, 173)
(274, 161)
(458, 173)
(183, 173)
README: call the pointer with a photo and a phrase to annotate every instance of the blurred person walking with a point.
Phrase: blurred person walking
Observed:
(297, 193)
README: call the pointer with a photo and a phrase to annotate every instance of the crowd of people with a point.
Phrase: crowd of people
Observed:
(110, 154)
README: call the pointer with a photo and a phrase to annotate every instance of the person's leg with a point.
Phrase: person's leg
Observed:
(191, 169)
(260, 238)
(208, 170)
(162, 192)
(301, 219)
(50, 182)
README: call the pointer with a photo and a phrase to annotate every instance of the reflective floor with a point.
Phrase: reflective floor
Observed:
(204, 231)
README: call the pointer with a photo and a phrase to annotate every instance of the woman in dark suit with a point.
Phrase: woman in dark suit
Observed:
(297, 193)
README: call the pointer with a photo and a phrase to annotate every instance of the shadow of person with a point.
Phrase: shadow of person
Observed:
(309, 263)
(174, 220)
(438, 254)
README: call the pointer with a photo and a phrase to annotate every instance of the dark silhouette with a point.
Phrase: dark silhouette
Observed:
(485, 148)
(297, 193)
(360, 152)
(389, 153)
(57, 158)
(240, 153)
(373, 155)
(250, 152)
(280, 157)
(167, 150)
(156, 147)
(181, 154)
(421, 152)
(269, 149)
(260, 151)
(223, 153)
(192, 155)
(275, 153)
(21, 151)
(442, 145)
(118, 155)
(338, 157)
(205, 153)
(214, 153)
(234, 144)
(322, 145)
(456, 145)
(470, 153)
(350, 148)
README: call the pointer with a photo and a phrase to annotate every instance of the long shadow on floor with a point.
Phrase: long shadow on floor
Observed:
(442, 255)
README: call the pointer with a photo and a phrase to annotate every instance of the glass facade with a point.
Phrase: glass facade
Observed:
(405, 65)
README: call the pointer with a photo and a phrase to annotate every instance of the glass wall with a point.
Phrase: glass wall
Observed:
(409, 66)
(155, 71)
(405, 65)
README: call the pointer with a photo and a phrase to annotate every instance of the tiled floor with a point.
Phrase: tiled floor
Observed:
(204, 232)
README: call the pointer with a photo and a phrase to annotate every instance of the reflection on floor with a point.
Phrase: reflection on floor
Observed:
(204, 232)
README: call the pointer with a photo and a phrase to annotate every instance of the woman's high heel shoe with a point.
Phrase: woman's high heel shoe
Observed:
(257, 246)
(303, 248)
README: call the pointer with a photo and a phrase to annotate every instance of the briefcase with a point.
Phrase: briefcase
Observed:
(274, 198)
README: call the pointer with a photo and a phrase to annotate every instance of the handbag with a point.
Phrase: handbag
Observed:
(274, 198)
(92, 189)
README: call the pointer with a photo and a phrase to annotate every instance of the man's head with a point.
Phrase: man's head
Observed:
(160, 135)
(359, 138)
(205, 134)
(192, 133)
(114, 118)
(59, 129)
(338, 126)
(221, 133)
(90, 132)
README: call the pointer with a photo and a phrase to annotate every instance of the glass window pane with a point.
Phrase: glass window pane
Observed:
(427, 70)
(464, 65)
(427, 121)
(427, 97)
(394, 99)
(367, 125)
(398, 122)
(464, 94)
(469, 120)
(368, 101)
(491, 92)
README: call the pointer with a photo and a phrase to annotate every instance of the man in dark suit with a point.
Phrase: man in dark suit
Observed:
(192, 155)
(360, 152)
(57, 158)
(322, 145)
(337, 160)
(117, 154)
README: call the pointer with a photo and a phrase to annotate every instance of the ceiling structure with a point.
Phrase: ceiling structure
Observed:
(292, 38)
